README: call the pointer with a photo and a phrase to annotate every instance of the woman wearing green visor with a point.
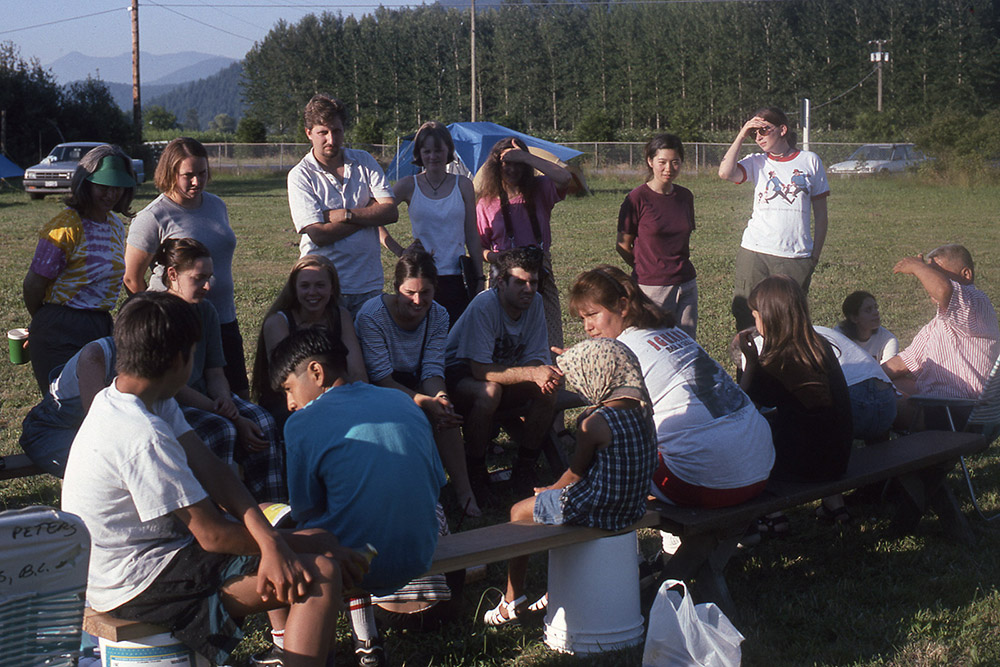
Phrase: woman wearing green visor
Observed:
(76, 273)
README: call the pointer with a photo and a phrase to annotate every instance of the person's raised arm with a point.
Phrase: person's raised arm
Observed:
(33, 291)
(937, 285)
(561, 177)
(820, 224)
(728, 168)
(136, 263)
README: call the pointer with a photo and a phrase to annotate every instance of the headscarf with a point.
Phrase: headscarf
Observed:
(602, 369)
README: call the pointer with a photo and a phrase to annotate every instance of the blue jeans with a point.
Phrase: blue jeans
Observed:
(873, 408)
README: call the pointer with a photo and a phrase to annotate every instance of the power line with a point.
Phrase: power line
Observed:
(858, 84)
(528, 3)
(191, 18)
(48, 23)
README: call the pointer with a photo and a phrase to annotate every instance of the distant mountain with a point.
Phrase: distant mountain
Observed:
(219, 93)
(155, 69)
(122, 93)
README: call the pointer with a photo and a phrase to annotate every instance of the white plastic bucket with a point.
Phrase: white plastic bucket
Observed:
(162, 650)
(594, 596)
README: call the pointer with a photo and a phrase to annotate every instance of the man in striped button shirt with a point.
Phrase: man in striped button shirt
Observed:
(952, 355)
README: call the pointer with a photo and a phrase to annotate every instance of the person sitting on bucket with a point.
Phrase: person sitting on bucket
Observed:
(607, 481)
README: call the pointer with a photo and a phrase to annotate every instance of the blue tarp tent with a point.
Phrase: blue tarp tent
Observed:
(473, 142)
(8, 169)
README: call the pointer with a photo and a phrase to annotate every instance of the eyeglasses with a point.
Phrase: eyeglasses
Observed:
(764, 131)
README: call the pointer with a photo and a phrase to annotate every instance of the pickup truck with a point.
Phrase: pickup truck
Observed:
(54, 174)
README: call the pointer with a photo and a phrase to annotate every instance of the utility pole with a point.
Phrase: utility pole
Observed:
(879, 56)
(472, 50)
(136, 101)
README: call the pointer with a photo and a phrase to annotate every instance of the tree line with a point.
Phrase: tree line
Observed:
(39, 113)
(621, 69)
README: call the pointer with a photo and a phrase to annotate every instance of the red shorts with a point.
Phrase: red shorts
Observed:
(691, 495)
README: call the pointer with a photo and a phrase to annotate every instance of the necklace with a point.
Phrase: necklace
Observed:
(435, 188)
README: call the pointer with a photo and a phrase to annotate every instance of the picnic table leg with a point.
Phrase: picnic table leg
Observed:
(927, 489)
(703, 558)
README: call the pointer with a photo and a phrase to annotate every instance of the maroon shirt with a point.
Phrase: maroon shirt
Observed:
(662, 226)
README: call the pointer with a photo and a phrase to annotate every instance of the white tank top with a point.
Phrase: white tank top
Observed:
(439, 224)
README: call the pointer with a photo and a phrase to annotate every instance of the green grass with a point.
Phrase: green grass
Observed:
(820, 597)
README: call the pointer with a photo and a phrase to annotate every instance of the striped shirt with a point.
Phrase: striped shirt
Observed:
(84, 259)
(612, 495)
(388, 348)
(952, 355)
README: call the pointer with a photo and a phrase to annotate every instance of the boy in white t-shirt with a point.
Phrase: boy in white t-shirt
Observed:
(162, 551)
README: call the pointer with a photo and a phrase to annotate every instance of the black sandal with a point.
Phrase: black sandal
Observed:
(773, 526)
(839, 516)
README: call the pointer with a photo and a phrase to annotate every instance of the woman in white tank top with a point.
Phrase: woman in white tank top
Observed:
(442, 209)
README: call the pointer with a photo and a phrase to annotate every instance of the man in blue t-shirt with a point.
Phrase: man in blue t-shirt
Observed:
(498, 357)
(362, 462)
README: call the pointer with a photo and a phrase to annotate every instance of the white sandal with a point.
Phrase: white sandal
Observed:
(539, 605)
(495, 616)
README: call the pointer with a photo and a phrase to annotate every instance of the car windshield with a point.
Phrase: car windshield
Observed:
(67, 153)
(870, 153)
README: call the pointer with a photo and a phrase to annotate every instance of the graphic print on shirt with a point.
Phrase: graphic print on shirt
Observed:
(774, 187)
(507, 351)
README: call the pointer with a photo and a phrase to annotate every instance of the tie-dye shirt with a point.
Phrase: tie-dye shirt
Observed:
(84, 259)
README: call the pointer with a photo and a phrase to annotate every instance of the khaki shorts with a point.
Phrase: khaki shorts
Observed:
(752, 267)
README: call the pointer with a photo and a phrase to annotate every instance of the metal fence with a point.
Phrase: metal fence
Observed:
(598, 157)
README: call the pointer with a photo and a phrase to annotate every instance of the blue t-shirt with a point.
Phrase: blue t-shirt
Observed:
(363, 465)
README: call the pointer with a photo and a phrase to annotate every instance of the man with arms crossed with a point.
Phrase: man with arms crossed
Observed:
(340, 198)
(498, 356)
(162, 552)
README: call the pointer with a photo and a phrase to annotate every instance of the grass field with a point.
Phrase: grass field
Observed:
(854, 597)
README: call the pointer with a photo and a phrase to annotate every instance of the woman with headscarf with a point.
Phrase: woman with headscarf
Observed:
(606, 483)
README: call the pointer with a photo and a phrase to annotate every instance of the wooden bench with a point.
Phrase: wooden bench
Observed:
(15, 466)
(920, 462)
(456, 551)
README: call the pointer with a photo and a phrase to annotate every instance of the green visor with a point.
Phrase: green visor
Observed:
(113, 173)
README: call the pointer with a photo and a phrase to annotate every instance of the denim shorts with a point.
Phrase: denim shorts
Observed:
(184, 599)
(549, 508)
(873, 408)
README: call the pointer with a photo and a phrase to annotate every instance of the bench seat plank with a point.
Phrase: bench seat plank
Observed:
(520, 538)
(874, 463)
(115, 629)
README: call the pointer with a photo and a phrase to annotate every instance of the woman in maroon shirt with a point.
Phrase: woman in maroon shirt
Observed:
(654, 234)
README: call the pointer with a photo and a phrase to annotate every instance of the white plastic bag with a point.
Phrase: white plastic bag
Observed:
(683, 634)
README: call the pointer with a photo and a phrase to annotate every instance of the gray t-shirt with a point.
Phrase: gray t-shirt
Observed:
(164, 219)
(208, 351)
(125, 475)
(486, 334)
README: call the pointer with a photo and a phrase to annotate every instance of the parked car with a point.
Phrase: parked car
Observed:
(54, 173)
(880, 159)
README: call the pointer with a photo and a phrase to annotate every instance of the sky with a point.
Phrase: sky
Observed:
(50, 29)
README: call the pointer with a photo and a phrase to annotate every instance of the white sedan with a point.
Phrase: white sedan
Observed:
(880, 159)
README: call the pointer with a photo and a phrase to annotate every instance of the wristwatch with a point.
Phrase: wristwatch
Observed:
(348, 215)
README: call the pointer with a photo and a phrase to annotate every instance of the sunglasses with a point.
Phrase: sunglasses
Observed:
(764, 131)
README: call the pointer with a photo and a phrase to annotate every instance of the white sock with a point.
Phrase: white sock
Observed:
(363, 617)
(278, 637)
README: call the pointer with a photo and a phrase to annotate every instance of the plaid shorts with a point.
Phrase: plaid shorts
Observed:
(263, 472)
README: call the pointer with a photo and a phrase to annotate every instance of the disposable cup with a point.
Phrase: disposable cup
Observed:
(17, 344)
